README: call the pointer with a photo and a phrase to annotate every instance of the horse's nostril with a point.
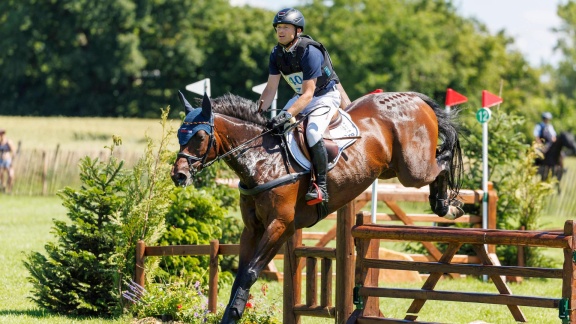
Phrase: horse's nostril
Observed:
(180, 178)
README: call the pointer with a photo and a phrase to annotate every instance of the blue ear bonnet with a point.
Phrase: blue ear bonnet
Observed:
(194, 122)
(196, 119)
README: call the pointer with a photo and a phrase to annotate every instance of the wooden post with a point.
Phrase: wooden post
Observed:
(311, 281)
(344, 263)
(569, 273)
(492, 210)
(139, 275)
(44, 174)
(372, 307)
(326, 283)
(292, 279)
(213, 280)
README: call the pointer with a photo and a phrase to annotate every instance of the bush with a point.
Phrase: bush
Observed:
(95, 253)
(78, 275)
(170, 301)
(512, 171)
(194, 217)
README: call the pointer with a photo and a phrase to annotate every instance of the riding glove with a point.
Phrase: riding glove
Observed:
(280, 120)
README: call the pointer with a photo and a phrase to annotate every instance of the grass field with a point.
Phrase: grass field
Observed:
(50, 147)
(25, 224)
(82, 134)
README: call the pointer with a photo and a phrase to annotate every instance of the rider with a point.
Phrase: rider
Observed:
(6, 155)
(544, 132)
(306, 66)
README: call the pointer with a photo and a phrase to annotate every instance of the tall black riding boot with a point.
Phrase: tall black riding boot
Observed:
(318, 191)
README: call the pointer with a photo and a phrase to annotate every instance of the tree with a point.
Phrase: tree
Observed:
(70, 57)
(94, 256)
(78, 275)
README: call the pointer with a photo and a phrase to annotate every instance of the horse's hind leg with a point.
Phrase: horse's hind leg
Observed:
(440, 203)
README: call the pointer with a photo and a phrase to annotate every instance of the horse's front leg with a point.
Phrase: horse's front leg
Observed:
(240, 292)
(250, 268)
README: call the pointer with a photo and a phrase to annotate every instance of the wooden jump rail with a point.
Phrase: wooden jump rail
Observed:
(367, 238)
(297, 256)
(294, 263)
(390, 194)
(213, 251)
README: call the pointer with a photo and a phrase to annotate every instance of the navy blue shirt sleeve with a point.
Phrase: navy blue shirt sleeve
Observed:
(311, 63)
(272, 67)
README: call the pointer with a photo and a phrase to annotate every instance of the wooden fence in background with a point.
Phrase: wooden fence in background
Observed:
(44, 172)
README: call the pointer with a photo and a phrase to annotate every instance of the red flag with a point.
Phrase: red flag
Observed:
(454, 98)
(489, 100)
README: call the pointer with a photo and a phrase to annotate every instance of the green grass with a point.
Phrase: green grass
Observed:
(82, 134)
(25, 224)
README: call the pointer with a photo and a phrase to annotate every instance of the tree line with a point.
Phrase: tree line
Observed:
(128, 58)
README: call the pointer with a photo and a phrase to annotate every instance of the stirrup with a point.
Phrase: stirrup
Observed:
(318, 199)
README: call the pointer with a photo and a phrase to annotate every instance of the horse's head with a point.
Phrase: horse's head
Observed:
(196, 138)
(567, 140)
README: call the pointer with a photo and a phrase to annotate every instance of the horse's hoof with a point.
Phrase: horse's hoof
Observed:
(454, 212)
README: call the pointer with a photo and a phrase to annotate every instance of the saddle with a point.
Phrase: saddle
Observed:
(341, 133)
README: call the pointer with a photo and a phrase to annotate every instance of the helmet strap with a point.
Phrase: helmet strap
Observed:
(296, 37)
(288, 47)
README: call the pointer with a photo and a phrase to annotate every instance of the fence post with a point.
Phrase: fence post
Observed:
(568, 304)
(492, 211)
(44, 173)
(213, 281)
(139, 275)
(344, 262)
(292, 279)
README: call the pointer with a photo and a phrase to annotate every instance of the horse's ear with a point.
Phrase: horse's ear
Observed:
(184, 102)
(206, 106)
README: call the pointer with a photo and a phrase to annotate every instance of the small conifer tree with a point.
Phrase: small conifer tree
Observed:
(84, 272)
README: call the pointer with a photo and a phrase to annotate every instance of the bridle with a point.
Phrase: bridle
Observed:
(191, 159)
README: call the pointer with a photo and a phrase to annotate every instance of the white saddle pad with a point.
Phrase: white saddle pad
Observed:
(347, 128)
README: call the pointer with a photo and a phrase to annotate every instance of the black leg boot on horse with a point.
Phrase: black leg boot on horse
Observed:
(318, 191)
(440, 202)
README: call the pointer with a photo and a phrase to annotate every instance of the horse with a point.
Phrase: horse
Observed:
(552, 160)
(403, 134)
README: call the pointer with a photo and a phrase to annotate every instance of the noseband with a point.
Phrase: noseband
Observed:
(193, 159)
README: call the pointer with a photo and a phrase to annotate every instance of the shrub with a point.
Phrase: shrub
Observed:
(170, 301)
(109, 213)
(512, 171)
(78, 275)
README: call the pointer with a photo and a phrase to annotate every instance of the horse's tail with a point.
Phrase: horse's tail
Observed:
(448, 130)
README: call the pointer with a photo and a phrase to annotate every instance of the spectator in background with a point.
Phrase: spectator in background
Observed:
(544, 132)
(6, 159)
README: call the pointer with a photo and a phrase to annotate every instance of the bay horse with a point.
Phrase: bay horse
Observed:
(400, 135)
(552, 160)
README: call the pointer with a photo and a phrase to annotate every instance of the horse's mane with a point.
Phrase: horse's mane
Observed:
(238, 107)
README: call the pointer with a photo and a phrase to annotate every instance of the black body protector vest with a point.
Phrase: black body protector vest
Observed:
(288, 64)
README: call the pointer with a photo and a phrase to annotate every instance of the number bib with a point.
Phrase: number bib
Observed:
(295, 81)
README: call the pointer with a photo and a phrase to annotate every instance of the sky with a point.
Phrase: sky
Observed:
(528, 21)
